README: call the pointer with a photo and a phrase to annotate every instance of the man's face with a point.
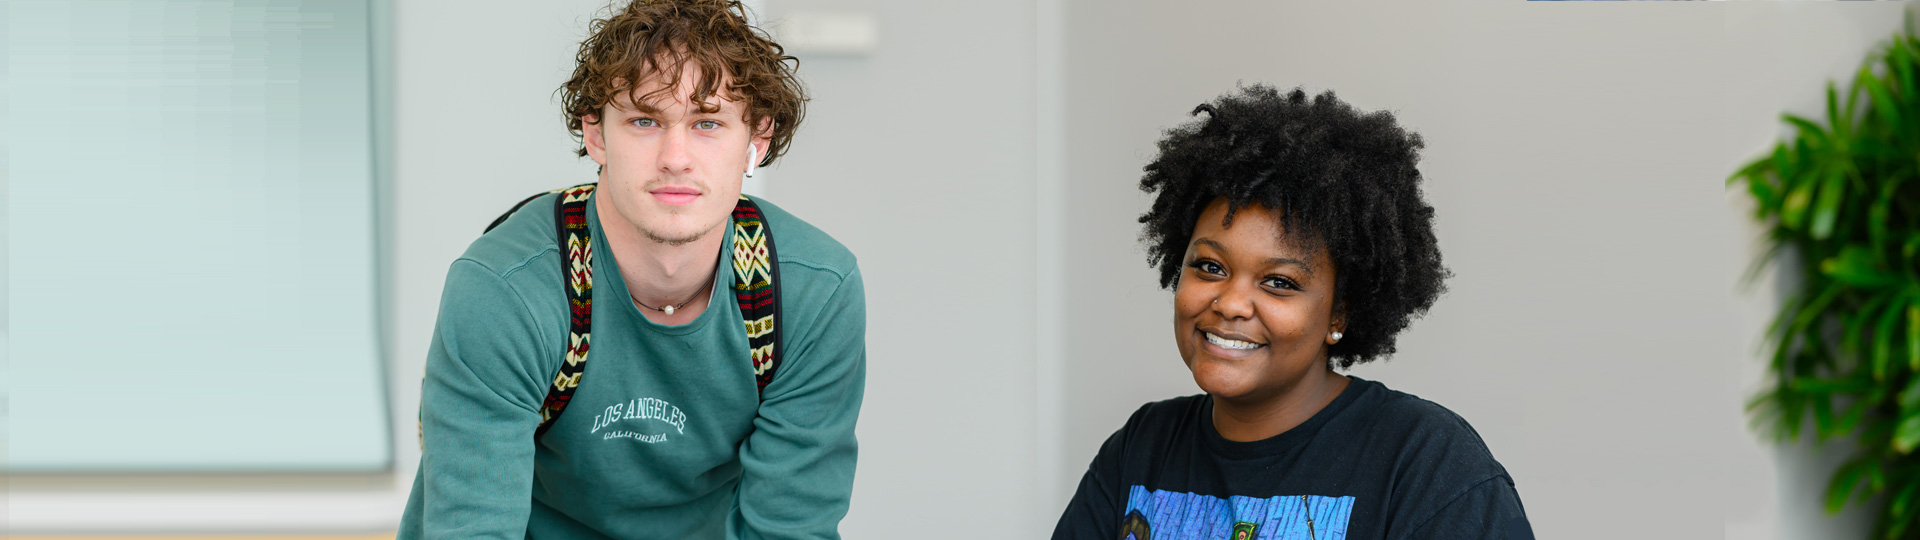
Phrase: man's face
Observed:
(670, 170)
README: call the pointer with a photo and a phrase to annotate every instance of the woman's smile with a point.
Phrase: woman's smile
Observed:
(1219, 344)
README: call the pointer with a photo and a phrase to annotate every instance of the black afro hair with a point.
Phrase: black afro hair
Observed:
(1341, 178)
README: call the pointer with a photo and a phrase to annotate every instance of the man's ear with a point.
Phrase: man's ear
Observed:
(596, 137)
(763, 139)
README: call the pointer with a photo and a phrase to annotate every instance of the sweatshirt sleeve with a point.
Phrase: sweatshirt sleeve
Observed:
(479, 403)
(797, 465)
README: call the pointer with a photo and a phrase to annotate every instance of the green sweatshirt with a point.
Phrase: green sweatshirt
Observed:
(665, 436)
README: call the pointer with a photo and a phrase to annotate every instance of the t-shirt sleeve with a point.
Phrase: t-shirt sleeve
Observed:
(797, 466)
(479, 406)
(1094, 511)
(1489, 510)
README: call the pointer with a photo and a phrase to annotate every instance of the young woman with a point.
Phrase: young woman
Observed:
(1295, 238)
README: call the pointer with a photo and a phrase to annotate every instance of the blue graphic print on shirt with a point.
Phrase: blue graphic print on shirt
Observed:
(1165, 515)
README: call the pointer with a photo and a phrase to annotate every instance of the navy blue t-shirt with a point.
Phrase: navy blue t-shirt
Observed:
(1374, 464)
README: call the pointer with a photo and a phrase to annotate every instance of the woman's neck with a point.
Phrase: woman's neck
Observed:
(1259, 418)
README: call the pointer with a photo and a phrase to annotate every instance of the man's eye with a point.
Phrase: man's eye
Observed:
(707, 124)
(645, 122)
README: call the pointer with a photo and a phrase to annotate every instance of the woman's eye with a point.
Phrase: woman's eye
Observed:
(1278, 282)
(1206, 267)
(707, 124)
(645, 122)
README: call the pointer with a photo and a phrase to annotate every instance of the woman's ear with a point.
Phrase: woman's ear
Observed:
(1337, 327)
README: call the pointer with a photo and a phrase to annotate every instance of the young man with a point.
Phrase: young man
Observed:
(668, 433)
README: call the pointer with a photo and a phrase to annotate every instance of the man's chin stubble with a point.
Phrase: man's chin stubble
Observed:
(680, 240)
(675, 242)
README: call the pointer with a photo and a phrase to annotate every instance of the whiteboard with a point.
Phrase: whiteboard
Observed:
(191, 272)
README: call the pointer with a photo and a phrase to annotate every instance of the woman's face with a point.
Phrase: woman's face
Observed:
(1252, 314)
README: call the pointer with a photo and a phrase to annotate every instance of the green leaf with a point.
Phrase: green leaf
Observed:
(1883, 336)
(1840, 488)
(1827, 209)
(1878, 435)
(1907, 436)
(1808, 129)
(1901, 509)
(1851, 418)
(1882, 101)
(1903, 58)
(1754, 175)
(1910, 398)
(1764, 194)
(1855, 337)
(1900, 61)
(1825, 386)
(1782, 164)
(1913, 338)
(1877, 220)
(1793, 210)
(1834, 117)
(1855, 266)
(1876, 480)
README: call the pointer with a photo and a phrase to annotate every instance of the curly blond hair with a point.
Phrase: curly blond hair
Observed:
(660, 38)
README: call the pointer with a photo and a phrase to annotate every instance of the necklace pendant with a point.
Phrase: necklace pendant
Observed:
(668, 309)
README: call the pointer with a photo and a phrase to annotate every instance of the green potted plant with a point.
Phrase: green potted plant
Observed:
(1842, 198)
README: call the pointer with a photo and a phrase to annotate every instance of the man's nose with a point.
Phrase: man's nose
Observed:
(674, 157)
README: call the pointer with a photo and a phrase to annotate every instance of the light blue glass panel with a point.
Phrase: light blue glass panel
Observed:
(191, 238)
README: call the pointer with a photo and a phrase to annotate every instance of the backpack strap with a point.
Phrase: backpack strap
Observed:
(576, 240)
(756, 285)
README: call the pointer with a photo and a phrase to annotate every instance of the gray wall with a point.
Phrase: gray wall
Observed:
(1594, 334)
(919, 158)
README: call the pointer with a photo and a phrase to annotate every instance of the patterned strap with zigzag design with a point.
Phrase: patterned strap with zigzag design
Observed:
(756, 280)
(576, 241)
(756, 283)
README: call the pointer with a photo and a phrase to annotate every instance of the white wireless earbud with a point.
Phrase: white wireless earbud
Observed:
(753, 159)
